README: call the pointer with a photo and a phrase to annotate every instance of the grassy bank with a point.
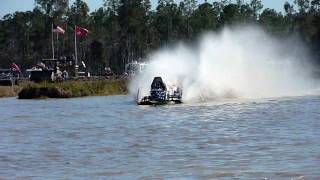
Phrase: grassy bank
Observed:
(67, 89)
(9, 91)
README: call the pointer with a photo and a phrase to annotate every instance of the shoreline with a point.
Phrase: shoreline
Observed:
(10, 91)
(68, 89)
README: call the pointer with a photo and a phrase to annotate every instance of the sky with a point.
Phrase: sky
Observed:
(11, 6)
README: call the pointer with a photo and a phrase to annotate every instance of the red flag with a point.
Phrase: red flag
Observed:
(81, 31)
(14, 67)
(58, 29)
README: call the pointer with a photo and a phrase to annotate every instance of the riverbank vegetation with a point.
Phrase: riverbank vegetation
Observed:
(9, 91)
(70, 89)
(126, 30)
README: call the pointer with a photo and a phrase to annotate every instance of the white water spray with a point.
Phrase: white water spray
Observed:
(240, 62)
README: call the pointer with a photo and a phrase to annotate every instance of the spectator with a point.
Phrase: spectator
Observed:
(65, 75)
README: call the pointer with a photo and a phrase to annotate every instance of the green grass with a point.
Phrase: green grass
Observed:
(71, 89)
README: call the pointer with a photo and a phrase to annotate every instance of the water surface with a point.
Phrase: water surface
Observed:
(112, 138)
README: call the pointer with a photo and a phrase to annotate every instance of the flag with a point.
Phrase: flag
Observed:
(14, 67)
(58, 29)
(81, 31)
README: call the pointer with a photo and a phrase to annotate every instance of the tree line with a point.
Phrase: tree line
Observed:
(125, 30)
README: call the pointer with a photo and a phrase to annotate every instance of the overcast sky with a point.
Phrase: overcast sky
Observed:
(10, 6)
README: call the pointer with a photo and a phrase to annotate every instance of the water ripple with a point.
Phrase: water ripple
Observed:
(111, 137)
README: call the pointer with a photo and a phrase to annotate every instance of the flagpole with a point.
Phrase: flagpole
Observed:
(57, 45)
(52, 40)
(75, 52)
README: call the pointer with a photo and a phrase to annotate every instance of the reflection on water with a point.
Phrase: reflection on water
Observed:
(100, 137)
